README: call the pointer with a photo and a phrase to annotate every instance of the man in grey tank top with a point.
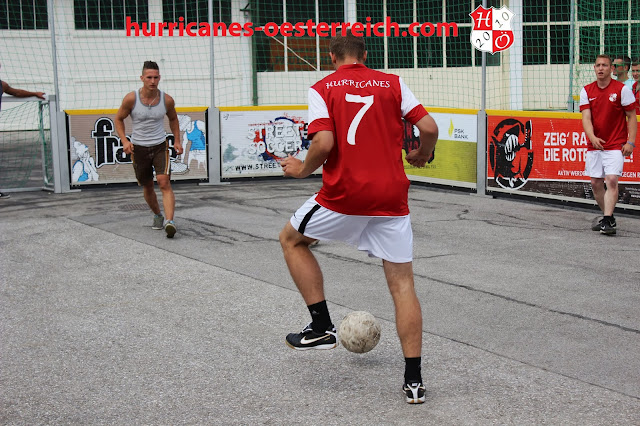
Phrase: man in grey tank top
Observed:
(148, 142)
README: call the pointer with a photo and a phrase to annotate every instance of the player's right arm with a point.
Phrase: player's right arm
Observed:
(321, 146)
(587, 125)
(587, 122)
(128, 103)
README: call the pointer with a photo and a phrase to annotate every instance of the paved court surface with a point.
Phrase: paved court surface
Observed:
(529, 317)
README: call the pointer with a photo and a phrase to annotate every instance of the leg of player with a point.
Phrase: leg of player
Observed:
(168, 202)
(306, 273)
(409, 325)
(150, 197)
(302, 264)
(608, 226)
(611, 194)
(168, 197)
(597, 186)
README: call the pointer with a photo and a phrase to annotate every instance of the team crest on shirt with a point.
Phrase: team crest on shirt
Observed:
(511, 154)
(613, 97)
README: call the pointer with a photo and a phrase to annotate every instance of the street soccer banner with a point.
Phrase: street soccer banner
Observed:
(545, 153)
(97, 155)
(455, 156)
(255, 139)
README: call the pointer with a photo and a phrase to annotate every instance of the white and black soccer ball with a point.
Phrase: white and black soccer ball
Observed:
(359, 332)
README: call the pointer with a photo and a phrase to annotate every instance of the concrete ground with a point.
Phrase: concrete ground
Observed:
(529, 317)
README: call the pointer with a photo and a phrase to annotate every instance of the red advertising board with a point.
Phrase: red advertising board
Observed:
(545, 153)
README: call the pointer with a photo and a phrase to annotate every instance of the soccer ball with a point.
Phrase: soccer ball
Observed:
(359, 332)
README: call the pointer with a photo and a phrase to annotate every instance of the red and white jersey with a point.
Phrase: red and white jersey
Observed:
(364, 173)
(607, 112)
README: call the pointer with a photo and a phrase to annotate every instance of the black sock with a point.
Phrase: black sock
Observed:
(320, 319)
(412, 370)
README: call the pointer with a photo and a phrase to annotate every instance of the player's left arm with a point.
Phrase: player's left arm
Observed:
(632, 129)
(174, 124)
(321, 146)
(428, 139)
(20, 93)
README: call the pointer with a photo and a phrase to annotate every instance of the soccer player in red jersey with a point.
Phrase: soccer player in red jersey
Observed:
(609, 121)
(356, 126)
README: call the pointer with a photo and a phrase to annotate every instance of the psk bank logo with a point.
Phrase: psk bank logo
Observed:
(510, 153)
(492, 30)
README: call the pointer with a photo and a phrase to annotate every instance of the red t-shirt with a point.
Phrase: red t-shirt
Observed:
(607, 112)
(364, 173)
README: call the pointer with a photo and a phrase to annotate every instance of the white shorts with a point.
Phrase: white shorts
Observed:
(386, 237)
(598, 164)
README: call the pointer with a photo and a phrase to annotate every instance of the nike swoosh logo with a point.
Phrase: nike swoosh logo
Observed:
(305, 341)
(592, 99)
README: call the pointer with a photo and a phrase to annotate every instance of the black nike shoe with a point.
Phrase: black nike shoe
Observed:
(414, 393)
(309, 339)
(608, 227)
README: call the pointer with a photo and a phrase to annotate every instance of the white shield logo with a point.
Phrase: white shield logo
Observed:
(491, 29)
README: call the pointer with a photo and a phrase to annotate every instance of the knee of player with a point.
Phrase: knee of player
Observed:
(289, 237)
(285, 239)
(611, 180)
(164, 183)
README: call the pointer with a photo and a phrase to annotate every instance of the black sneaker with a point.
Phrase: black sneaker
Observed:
(596, 225)
(608, 227)
(309, 339)
(414, 393)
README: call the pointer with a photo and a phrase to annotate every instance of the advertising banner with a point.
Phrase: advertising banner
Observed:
(545, 153)
(97, 155)
(255, 139)
(455, 158)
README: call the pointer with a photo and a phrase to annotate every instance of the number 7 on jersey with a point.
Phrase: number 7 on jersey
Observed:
(353, 127)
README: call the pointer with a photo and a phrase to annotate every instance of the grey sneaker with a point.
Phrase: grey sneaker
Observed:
(170, 229)
(158, 222)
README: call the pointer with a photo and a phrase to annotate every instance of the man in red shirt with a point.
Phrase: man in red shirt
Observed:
(609, 121)
(355, 117)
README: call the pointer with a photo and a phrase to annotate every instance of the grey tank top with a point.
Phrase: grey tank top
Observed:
(148, 122)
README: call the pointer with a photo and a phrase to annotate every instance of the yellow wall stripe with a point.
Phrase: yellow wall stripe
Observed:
(543, 114)
(263, 107)
(113, 111)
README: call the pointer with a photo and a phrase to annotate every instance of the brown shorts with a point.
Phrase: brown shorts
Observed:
(147, 158)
